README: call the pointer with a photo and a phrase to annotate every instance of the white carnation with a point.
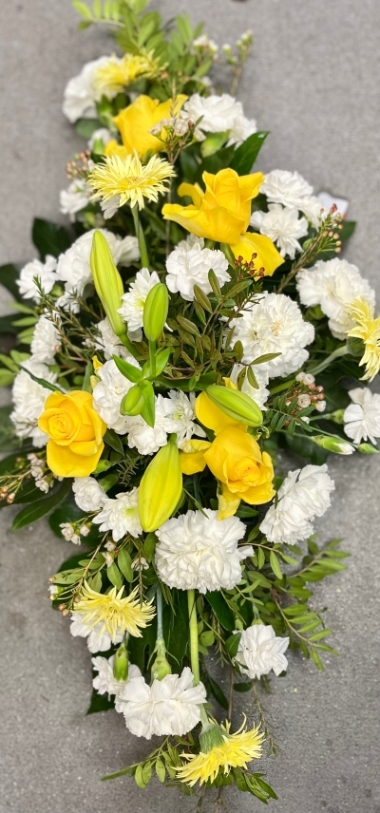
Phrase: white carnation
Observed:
(88, 494)
(282, 226)
(109, 393)
(260, 651)
(105, 682)
(120, 515)
(149, 439)
(74, 265)
(74, 198)
(132, 309)
(45, 273)
(80, 93)
(198, 551)
(170, 706)
(334, 285)
(46, 341)
(304, 495)
(189, 265)
(218, 114)
(288, 188)
(259, 395)
(29, 398)
(180, 417)
(107, 342)
(97, 639)
(362, 417)
(274, 324)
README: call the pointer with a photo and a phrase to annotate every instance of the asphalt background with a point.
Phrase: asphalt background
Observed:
(313, 80)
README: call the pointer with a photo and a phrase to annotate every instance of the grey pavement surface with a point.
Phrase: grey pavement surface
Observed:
(313, 81)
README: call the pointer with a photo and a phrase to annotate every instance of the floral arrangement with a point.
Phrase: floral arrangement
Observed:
(194, 324)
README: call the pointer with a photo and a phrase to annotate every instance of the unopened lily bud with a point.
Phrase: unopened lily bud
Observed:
(367, 448)
(120, 664)
(155, 311)
(160, 488)
(107, 281)
(133, 402)
(238, 405)
(332, 443)
(160, 666)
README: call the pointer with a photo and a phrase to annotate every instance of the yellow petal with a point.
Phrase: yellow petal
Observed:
(267, 258)
(64, 463)
(228, 503)
(192, 456)
(192, 191)
(213, 417)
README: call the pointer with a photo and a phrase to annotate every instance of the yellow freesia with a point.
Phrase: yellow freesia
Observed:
(136, 121)
(75, 433)
(222, 213)
(234, 458)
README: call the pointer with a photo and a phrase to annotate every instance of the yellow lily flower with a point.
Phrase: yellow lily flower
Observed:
(222, 213)
(234, 458)
(136, 121)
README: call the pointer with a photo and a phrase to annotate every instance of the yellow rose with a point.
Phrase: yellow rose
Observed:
(222, 213)
(75, 433)
(234, 458)
(136, 121)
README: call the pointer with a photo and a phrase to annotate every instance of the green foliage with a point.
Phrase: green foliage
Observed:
(49, 238)
(41, 507)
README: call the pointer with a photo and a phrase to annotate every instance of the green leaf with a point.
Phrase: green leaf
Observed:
(99, 702)
(130, 372)
(275, 565)
(8, 276)
(49, 238)
(82, 9)
(139, 777)
(160, 770)
(6, 378)
(114, 575)
(245, 155)
(112, 439)
(124, 562)
(38, 509)
(217, 692)
(149, 546)
(243, 687)
(232, 644)
(221, 609)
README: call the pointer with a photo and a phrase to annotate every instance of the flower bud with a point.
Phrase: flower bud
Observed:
(160, 666)
(133, 402)
(367, 448)
(155, 311)
(107, 281)
(332, 443)
(160, 487)
(120, 664)
(238, 405)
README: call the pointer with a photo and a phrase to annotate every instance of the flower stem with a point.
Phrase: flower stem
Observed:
(338, 353)
(152, 358)
(193, 622)
(141, 237)
(160, 631)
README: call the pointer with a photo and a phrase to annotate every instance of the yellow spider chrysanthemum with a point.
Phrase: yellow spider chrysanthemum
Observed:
(367, 329)
(117, 74)
(117, 614)
(235, 751)
(129, 179)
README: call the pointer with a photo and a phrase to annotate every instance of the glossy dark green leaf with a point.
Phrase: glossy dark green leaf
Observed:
(8, 275)
(38, 509)
(49, 238)
(245, 155)
(112, 439)
(221, 609)
(99, 702)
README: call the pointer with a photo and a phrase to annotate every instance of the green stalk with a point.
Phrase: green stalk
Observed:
(152, 358)
(193, 623)
(141, 237)
(160, 630)
(338, 353)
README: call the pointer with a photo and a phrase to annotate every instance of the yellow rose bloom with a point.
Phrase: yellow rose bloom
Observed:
(222, 213)
(75, 433)
(234, 458)
(136, 121)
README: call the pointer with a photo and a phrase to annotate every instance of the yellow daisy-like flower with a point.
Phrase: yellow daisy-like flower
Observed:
(117, 614)
(229, 751)
(117, 74)
(367, 329)
(131, 181)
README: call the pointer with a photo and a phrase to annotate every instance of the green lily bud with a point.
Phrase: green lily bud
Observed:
(367, 448)
(333, 443)
(107, 281)
(160, 487)
(120, 664)
(211, 738)
(160, 666)
(236, 404)
(133, 402)
(155, 311)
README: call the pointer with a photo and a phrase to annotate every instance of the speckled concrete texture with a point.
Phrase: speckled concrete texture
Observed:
(313, 81)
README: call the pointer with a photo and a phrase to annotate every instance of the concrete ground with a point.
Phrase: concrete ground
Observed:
(312, 81)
